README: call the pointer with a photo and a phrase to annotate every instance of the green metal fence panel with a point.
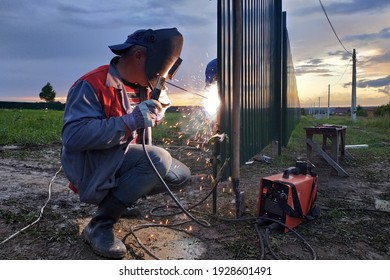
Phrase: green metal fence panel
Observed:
(291, 105)
(269, 99)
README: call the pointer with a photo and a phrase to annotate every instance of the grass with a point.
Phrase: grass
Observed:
(375, 132)
(21, 127)
(169, 130)
(25, 127)
(362, 131)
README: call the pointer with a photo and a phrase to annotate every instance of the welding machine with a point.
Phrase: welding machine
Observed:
(289, 197)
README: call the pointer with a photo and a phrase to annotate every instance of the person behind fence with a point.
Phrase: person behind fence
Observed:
(102, 155)
(211, 72)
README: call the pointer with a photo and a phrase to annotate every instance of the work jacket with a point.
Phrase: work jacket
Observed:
(94, 135)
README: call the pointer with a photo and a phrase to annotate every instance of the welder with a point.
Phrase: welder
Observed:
(211, 72)
(102, 154)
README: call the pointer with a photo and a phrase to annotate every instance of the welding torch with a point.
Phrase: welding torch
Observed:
(162, 80)
(186, 90)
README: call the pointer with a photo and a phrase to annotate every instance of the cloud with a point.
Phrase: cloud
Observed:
(381, 82)
(315, 61)
(136, 14)
(346, 7)
(44, 29)
(342, 54)
(58, 41)
(375, 60)
(311, 69)
(357, 6)
(381, 58)
(385, 90)
(313, 66)
(383, 34)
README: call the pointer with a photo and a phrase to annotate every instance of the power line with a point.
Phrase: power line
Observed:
(334, 31)
(349, 63)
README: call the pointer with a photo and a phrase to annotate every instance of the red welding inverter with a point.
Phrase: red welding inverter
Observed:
(289, 197)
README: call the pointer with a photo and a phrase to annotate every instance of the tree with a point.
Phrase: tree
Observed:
(47, 93)
(382, 110)
(361, 112)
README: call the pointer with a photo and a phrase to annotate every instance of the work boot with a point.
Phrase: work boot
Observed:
(99, 231)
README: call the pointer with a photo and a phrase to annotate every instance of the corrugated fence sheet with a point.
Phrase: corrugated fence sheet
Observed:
(269, 104)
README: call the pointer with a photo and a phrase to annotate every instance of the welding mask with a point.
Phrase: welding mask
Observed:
(163, 50)
(162, 53)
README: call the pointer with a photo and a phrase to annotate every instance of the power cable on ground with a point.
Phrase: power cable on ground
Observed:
(40, 212)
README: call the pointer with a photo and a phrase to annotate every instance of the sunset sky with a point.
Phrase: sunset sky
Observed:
(58, 41)
(320, 59)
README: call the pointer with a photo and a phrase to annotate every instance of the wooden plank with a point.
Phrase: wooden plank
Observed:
(328, 159)
(348, 155)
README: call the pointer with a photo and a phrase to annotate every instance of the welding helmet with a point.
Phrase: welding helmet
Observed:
(163, 50)
(211, 71)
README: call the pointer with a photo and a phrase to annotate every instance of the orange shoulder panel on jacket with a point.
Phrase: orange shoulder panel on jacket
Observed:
(109, 97)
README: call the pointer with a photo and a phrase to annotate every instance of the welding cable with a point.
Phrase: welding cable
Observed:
(267, 243)
(201, 222)
(230, 220)
(261, 240)
(40, 213)
(143, 226)
(214, 184)
(313, 252)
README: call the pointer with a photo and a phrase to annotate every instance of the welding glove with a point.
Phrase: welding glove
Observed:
(165, 103)
(144, 115)
(160, 117)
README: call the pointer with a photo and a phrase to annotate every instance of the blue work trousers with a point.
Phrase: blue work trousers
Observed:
(137, 178)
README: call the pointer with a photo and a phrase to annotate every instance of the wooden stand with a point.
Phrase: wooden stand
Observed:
(336, 135)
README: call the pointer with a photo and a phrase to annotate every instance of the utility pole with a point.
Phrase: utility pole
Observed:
(319, 107)
(328, 101)
(314, 109)
(353, 105)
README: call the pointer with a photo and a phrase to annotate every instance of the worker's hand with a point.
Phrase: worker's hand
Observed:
(165, 103)
(160, 117)
(144, 115)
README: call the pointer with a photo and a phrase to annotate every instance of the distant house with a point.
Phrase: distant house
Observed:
(337, 111)
(370, 111)
(341, 111)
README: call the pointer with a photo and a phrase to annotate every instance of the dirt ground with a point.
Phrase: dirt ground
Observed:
(350, 226)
